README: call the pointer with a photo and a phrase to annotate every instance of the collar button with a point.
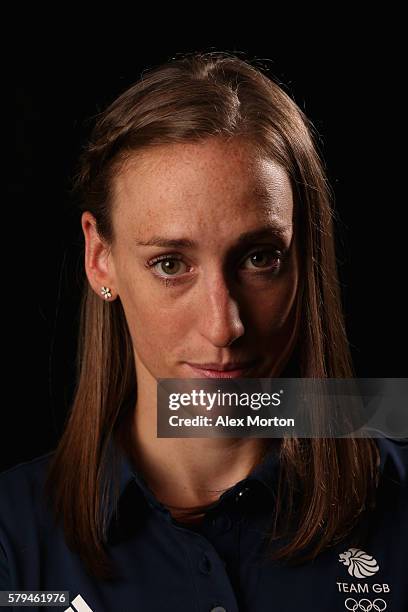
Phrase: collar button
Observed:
(221, 523)
(243, 492)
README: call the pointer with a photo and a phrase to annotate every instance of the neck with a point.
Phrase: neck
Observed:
(186, 474)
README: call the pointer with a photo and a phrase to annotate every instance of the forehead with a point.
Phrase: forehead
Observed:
(216, 182)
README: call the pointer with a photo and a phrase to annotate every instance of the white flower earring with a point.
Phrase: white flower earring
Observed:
(106, 292)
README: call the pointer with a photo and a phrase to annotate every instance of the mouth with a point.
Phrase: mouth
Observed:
(232, 370)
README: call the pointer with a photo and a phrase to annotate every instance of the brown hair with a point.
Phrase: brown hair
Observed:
(188, 99)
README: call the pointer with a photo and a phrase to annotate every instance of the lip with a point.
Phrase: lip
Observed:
(214, 370)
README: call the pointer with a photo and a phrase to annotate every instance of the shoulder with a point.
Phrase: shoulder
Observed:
(21, 510)
(32, 470)
(394, 459)
(21, 487)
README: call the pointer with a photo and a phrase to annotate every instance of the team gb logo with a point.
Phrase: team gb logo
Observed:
(359, 563)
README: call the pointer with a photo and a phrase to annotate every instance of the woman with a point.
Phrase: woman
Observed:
(208, 251)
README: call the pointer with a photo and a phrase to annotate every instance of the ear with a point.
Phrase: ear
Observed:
(98, 266)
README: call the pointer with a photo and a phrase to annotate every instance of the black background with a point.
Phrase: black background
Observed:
(347, 83)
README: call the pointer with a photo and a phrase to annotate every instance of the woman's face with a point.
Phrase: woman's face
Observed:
(204, 260)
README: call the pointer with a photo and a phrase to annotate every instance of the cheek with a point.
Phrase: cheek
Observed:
(271, 312)
(155, 326)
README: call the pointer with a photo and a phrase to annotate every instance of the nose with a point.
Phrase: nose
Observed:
(220, 318)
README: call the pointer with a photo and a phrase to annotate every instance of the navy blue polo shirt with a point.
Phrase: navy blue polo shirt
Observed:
(218, 565)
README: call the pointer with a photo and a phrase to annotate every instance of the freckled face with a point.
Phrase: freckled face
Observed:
(204, 258)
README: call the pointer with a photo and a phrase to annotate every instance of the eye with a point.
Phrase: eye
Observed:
(168, 266)
(264, 259)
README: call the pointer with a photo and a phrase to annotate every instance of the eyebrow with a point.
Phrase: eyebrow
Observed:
(267, 231)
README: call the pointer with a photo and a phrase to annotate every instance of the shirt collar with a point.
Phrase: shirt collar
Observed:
(394, 458)
(266, 472)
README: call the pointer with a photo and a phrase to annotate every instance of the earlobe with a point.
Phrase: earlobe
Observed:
(106, 292)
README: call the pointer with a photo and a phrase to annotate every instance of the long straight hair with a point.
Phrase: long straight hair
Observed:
(195, 97)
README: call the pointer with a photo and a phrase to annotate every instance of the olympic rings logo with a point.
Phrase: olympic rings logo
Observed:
(365, 605)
